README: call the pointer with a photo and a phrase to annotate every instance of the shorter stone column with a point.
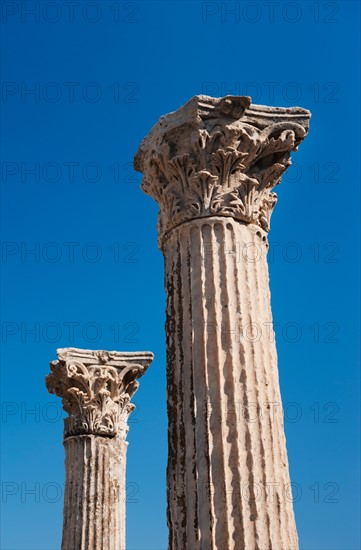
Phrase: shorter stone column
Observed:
(96, 388)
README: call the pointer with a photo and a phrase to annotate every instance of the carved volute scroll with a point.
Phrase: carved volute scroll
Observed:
(219, 157)
(96, 388)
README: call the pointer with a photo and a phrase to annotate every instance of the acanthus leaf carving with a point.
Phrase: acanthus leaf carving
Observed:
(96, 390)
(198, 165)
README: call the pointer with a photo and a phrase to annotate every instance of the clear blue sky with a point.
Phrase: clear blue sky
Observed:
(102, 73)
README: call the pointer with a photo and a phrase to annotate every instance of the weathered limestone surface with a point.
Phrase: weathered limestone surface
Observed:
(96, 388)
(212, 166)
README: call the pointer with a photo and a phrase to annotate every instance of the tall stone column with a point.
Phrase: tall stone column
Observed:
(212, 166)
(96, 388)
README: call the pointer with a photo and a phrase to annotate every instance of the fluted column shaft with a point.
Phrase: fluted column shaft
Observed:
(94, 499)
(227, 477)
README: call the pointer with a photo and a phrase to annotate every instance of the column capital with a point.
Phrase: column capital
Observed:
(219, 157)
(96, 388)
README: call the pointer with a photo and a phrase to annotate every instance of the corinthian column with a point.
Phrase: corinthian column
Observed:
(96, 388)
(212, 166)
